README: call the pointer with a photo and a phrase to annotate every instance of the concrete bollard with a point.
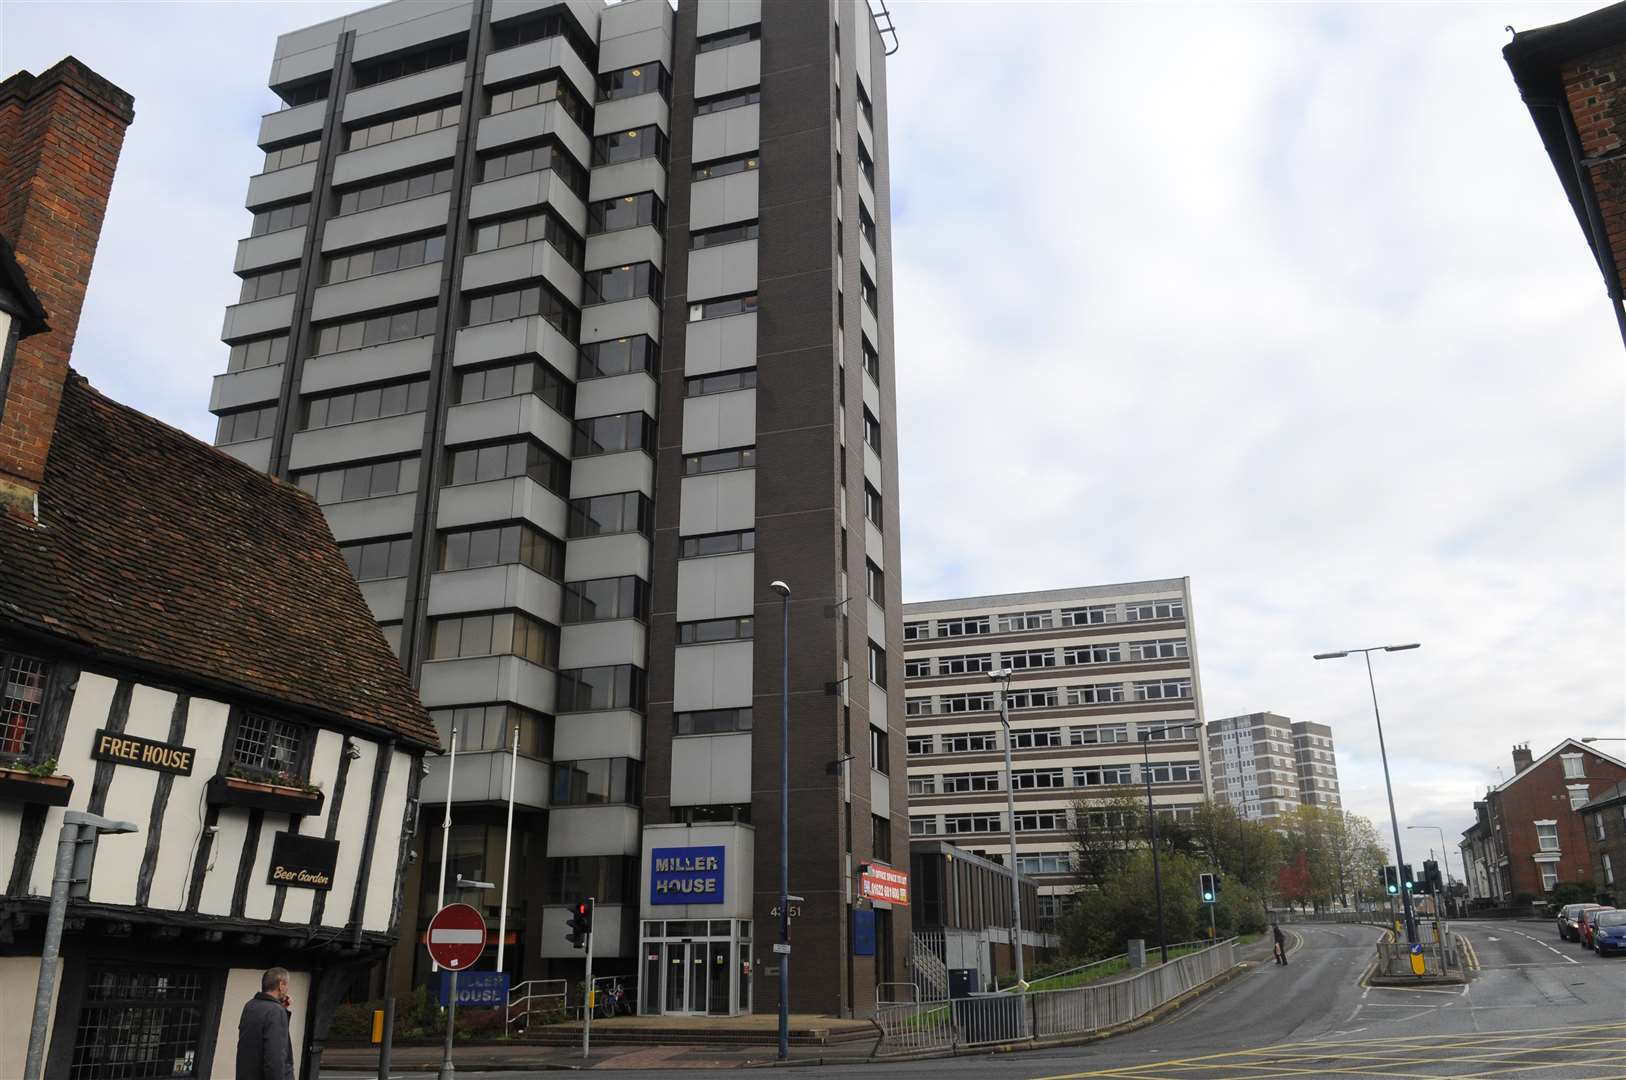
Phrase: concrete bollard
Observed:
(1136, 948)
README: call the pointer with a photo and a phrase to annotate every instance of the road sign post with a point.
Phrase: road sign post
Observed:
(456, 938)
(587, 1003)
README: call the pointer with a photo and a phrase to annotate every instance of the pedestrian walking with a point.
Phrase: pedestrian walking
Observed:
(265, 1050)
(1280, 947)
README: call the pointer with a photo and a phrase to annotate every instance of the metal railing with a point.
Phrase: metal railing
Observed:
(534, 999)
(1439, 957)
(984, 1019)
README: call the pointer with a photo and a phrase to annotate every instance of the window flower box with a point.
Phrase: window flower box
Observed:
(24, 786)
(264, 794)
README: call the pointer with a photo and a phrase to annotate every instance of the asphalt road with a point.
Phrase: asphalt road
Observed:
(1538, 1008)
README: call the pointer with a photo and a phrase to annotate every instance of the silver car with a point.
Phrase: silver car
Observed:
(1567, 916)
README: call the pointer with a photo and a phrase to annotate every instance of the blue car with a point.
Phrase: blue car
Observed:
(1609, 933)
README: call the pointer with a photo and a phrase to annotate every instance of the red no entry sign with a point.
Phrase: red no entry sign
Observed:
(457, 936)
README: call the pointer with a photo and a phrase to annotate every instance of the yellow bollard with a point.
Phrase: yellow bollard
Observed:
(378, 1026)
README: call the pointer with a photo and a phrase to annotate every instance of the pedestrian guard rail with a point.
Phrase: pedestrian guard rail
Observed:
(1441, 957)
(1010, 1017)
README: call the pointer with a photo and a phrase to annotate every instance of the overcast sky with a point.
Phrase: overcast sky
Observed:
(1286, 298)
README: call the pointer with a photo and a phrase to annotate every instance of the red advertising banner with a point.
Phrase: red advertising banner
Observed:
(883, 883)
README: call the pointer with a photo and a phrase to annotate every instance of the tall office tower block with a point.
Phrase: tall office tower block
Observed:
(576, 319)
(1254, 765)
(1104, 691)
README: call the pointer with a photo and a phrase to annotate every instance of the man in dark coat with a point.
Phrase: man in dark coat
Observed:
(1280, 948)
(265, 1051)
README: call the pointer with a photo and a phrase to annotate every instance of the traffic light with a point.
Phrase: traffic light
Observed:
(1391, 880)
(1431, 879)
(581, 924)
(1406, 878)
(1210, 888)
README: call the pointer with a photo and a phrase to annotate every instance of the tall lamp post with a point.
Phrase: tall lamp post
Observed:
(784, 820)
(1151, 817)
(1388, 787)
(1445, 857)
(1003, 677)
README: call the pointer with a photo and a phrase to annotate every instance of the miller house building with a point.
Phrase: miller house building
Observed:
(576, 321)
(185, 657)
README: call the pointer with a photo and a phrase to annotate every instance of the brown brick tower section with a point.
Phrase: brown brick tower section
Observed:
(1597, 101)
(60, 136)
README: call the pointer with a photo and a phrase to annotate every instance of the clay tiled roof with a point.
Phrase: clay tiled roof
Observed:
(155, 548)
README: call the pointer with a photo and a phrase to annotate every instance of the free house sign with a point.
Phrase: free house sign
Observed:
(686, 875)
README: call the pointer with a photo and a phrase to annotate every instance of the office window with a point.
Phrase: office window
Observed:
(403, 127)
(708, 631)
(722, 234)
(372, 72)
(916, 631)
(395, 190)
(280, 218)
(867, 291)
(371, 403)
(1048, 862)
(881, 837)
(610, 434)
(872, 506)
(1091, 654)
(980, 701)
(535, 157)
(632, 81)
(917, 669)
(375, 560)
(866, 225)
(1024, 620)
(1163, 649)
(744, 457)
(874, 582)
(970, 742)
(1175, 772)
(723, 102)
(507, 633)
(595, 781)
(631, 145)
(722, 309)
(712, 721)
(1166, 730)
(1144, 610)
(1547, 836)
(721, 383)
(872, 432)
(1042, 698)
(525, 377)
(918, 745)
(491, 727)
(528, 228)
(728, 38)
(627, 282)
(962, 627)
(261, 352)
(382, 260)
(1041, 820)
(922, 785)
(872, 361)
(266, 746)
(1094, 615)
(625, 212)
(505, 460)
(619, 686)
(1162, 689)
(877, 665)
(1103, 776)
(917, 706)
(605, 598)
(694, 547)
(1027, 659)
(268, 284)
(303, 93)
(523, 302)
(354, 482)
(22, 700)
(612, 879)
(512, 33)
(959, 783)
(971, 823)
(541, 92)
(880, 754)
(866, 164)
(246, 425)
(1036, 738)
(375, 330)
(602, 515)
(711, 170)
(620, 356)
(501, 545)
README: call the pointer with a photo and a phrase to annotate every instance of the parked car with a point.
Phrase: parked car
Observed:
(1567, 916)
(1609, 932)
(1586, 922)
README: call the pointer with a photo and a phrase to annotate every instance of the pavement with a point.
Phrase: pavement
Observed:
(1536, 1008)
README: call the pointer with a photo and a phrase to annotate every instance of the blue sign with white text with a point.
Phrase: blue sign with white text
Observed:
(863, 931)
(686, 875)
(477, 989)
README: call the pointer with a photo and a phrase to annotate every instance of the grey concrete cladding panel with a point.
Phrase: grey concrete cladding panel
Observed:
(877, 696)
(716, 587)
(723, 200)
(390, 437)
(633, 49)
(272, 249)
(877, 622)
(728, 270)
(532, 122)
(505, 418)
(507, 65)
(708, 770)
(866, 259)
(376, 363)
(522, 262)
(236, 389)
(530, 335)
(482, 776)
(608, 940)
(432, 21)
(299, 65)
(634, 17)
(494, 588)
(524, 192)
(592, 830)
(722, 502)
(257, 317)
(475, 680)
(516, 499)
(727, 133)
(719, 421)
(720, 344)
(385, 599)
(386, 515)
(617, 394)
(368, 227)
(624, 318)
(396, 156)
(627, 178)
(264, 189)
(880, 794)
(368, 294)
(597, 644)
(715, 16)
(637, 111)
(722, 70)
(289, 124)
(256, 455)
(607, 474)
(642, 244)
(872, 469)
(620, 555)
(401, 95)
(712, 676)
(612, 733)
(873, 546)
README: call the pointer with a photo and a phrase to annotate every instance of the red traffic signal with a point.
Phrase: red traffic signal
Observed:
(581, 924)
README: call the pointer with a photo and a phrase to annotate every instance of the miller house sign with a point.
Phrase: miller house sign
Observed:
(686, 875)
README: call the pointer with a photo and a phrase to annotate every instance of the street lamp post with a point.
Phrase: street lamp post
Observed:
(1003, 677)
(1445, 857)
(784, 820)
(1388, 787)
(1151, 817)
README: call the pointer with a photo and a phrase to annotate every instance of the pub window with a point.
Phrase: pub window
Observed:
(22, 700)
(139, 1022)
(266, 746)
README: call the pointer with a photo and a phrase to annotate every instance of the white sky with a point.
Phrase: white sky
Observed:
(1285, 298)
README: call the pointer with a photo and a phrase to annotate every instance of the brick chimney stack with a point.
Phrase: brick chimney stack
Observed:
(1522, 758)
(60, 136)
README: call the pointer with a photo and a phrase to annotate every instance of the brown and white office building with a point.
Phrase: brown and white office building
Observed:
(1094, 670)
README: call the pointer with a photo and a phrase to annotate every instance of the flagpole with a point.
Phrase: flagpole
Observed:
(507, 842)
(446, 831)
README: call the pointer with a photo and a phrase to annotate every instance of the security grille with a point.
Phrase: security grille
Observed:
(20, 703)
(269, 746)
(138, 1025)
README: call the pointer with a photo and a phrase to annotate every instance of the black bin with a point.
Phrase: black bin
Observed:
(962, 982)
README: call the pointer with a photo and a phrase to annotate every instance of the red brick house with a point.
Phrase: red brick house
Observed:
(1530, 835)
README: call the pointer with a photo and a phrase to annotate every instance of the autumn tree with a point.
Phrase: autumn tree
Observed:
(1293, 881)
